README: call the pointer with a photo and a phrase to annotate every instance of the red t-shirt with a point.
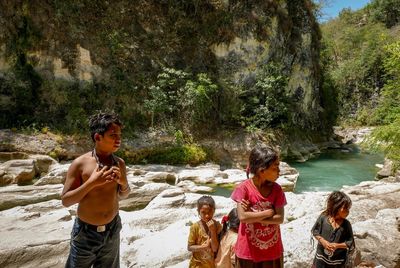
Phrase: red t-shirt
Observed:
(256, 241)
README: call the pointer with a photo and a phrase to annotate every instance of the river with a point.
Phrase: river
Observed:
(330, 171)
(335, 168)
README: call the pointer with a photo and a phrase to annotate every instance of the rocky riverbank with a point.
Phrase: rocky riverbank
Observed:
(35, 227)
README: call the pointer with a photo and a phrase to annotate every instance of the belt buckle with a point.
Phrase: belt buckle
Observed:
(101, 228)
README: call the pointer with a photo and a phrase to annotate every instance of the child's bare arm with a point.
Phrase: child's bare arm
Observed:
(73, 191)
(335, 246)
(196, 248)
(248, 216)
(277, 218)
(329, 246)
(119, 175)
(213, 232)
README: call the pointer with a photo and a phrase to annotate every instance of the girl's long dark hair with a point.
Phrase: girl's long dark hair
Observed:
(232, 223)
(335, 201)
(261, 157)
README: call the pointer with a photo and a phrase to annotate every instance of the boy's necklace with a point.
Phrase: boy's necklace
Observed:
(101, 165)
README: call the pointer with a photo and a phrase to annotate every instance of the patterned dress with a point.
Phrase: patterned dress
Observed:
(342, 234)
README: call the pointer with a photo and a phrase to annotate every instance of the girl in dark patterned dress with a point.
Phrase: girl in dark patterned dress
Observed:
(333, 232)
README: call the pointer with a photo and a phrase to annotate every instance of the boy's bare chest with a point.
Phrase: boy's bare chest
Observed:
(88, 170)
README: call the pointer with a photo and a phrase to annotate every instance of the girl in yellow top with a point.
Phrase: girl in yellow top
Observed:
(203, 235)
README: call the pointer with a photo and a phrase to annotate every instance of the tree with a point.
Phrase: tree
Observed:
(266, 104)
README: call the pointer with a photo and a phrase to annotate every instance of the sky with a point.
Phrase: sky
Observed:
(335, 6)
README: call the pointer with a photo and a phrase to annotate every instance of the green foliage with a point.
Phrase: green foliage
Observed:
(179, 137)
(385, 11)
(353, 56)
(178, 97)
(267, 104)
(329, 100)
(389, 106)
(173, 155)
(164, 96)
(387, 138)
(20, 88)
(199, 99)
(185, 154)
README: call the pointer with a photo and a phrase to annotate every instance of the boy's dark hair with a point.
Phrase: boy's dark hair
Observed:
(205, 200)
(335, 201)
(261, 157)
(100, 122)
(232, 222)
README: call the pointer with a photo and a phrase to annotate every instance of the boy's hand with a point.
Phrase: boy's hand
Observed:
(116, 175)
(100, 176)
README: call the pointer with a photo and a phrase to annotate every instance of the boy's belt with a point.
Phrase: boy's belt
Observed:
(98, 228)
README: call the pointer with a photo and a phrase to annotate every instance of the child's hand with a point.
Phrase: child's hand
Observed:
(116, 174)
(334, 246)
(269, 213)
(100, 176)
(328, 246)
(206, 243)
(245, 204)
(211, 226)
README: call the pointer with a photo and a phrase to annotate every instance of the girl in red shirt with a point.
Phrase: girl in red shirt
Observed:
(260, 204)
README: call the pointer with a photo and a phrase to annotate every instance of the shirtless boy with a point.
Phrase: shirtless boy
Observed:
(96, 181)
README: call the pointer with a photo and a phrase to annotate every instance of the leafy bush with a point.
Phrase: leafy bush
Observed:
(389, 107)
(177, 96)
(353, 57)
(386, 11)
(387, 137)
(174, 155)
(266, 104)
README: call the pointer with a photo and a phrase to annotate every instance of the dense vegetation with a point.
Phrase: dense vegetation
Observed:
(361, 58)
(158, 68)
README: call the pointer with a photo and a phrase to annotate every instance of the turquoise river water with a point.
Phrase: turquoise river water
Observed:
(333, 169)
(330, 171)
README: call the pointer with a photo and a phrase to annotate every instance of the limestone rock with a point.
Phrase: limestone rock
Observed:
(156, 219)
(139, 197)
(201, 174)
(43, 163)
(6, 156)
(155, 176)
(13, 196)
(386, 170)
(35, 235)
(20, 171)
(352, 135)
(189, 186)
(56, 175)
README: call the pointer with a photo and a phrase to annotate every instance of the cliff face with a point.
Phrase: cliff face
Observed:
(108, 41)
